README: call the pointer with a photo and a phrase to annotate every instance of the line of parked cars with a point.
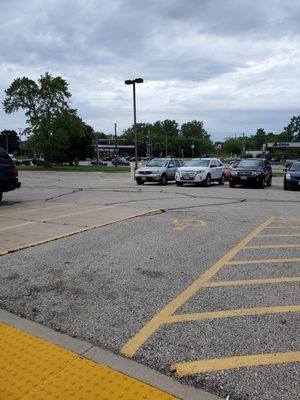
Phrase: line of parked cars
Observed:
(203, 171)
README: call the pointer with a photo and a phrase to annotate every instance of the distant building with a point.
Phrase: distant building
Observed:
(255, 153)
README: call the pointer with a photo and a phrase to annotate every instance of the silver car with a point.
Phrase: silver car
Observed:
(159, 170)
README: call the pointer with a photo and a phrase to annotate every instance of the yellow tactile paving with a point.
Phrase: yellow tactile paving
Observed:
(32, 368)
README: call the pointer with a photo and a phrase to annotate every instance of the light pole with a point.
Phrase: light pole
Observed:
(133, 82)
(20, 133)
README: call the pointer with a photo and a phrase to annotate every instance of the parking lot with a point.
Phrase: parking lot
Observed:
(200, 283)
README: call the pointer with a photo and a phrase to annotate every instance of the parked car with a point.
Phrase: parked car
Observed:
(257, 171)
(8, 174)
(292, 176)
(120, 161)
(228, 170)
(201, 171)
(13, 158)
(129, 158)
(99, 163)
(161, 170)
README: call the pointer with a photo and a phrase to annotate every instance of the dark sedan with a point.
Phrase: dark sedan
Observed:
(292, 176)
(98, 163)
(255, 171)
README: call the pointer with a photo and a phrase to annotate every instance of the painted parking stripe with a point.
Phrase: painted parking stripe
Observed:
(221, 364)
(272, 246)
(280, 235)
(264, 261)
(137, 341)
(263, 281)
(167, 314)
(201, 316)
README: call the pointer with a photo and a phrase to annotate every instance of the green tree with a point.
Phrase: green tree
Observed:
(71, 139)
(233, 145)
(292, 131)
(259, 138)
(164, 128)
(42, 101)
(194, 129)
(10, 141)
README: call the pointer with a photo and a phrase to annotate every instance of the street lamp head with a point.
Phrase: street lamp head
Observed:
(137, 80)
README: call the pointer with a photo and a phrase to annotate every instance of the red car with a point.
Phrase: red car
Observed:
(228, 169)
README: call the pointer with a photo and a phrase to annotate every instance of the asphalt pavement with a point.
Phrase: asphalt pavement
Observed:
(170, 264)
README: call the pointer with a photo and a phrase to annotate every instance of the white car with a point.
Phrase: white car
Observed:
(201, 171)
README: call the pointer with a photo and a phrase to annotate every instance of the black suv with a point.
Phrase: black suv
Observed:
(8, 174)
(255, 171)
(292, 176)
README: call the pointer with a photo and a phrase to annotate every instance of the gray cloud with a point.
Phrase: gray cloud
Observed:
(199, 58)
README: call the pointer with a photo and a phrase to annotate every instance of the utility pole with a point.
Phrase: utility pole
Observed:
(243, 146)
(166, 143)
(115, 138)
(133, 82)
(97, 148)
(20, 133)
(6, 139)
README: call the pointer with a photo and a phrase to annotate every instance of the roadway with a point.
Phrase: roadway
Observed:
(198, 283)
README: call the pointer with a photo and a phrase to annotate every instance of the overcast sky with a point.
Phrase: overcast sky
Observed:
(235, 64)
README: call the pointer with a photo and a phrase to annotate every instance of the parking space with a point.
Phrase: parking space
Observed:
(27, 226)
(199, 283)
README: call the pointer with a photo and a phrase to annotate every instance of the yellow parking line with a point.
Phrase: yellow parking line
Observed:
(77, 213)
(133, 345)
(271, 246)
(284, 227)
(33, 210)
(220, 364)
(252, 282)
(264, 261)
(201, 316)
(287, 218)
(57, 217)
(17, 226)
(280, 235)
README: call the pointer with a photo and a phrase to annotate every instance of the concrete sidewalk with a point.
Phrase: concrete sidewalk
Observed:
(38, 363)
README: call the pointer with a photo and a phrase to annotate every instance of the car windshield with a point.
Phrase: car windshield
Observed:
(197, 163)
(156, 163)
(251, 164)
(295, 166)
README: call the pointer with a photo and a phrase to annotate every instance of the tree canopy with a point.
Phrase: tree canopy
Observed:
(10, 141)
(42, 101)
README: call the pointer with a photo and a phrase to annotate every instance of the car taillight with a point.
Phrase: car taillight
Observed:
(15, 171)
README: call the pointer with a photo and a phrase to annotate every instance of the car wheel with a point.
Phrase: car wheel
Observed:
(163, 180)
(261, 183)
(1, 195)
(285, 187)
(140, 182)
(269, 183)
(231, 184)
(222, 180)
(207, 180)
(179, 183)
